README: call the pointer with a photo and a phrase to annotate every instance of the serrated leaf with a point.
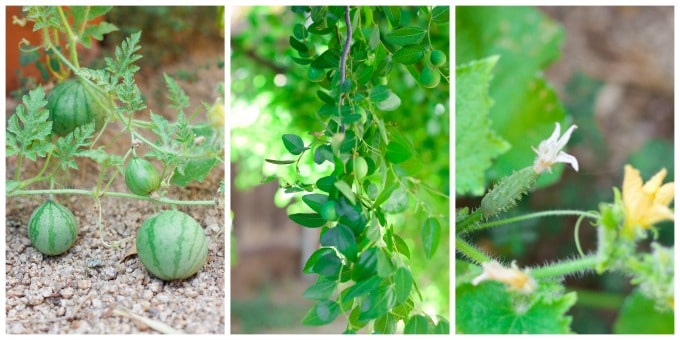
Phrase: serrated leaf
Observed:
(403, 282)
(489, 308)
(68, 147)
(525, 107)
(293, 144)
(178, 98)
(96, 32)
(195, 170)
(639, 316)
(430, 234)
(409, 54)
(308, 220)
(406, 36)
(29, 128)
(322, 313)
(322, 289)
(476, 143)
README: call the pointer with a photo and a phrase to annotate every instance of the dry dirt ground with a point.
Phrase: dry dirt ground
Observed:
(82, 290)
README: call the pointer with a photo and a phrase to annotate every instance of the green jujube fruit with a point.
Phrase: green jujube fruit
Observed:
(172, 245)
(73, 103)
(52, 228)
(141, 177)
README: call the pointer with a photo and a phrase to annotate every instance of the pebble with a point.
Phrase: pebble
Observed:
(84, 284)
(109, 273)
(67, 293)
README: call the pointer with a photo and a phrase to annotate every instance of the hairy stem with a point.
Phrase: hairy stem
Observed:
(471, 251)
(565, 267)
(481, 226)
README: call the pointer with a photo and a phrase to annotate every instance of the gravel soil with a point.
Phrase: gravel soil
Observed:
(86, 289)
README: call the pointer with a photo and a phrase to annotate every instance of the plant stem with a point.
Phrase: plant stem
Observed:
(470, 251)
(71, 38)
(107, 194)
(530, 216)
(565, 267)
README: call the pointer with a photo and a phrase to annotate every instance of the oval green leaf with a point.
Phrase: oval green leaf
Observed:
(406, 36)
(322, 313)
(293, 144)
(409, 54)
(308, 220)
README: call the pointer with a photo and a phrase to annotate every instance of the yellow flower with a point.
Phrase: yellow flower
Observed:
(645, 205)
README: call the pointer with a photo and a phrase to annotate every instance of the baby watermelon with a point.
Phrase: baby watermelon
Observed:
(172, 245)
(141, 177)
(52, 228)
(73, 103)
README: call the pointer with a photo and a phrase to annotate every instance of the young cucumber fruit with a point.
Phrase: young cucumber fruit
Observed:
(172, 245)
(141, 177)
(52, 228)
(73, 103)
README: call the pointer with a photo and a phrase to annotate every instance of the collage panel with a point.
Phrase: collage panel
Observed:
(114, 170)
(564, 170)
(340, 169)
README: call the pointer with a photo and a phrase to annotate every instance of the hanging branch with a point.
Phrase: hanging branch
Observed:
(343, 61)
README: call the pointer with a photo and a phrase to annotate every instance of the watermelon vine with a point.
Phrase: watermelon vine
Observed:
(58, 128)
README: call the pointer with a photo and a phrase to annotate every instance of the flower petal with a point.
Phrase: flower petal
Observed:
(564, 157)
(665, 194)
(655, 182)
(632, 183)
(565, 137)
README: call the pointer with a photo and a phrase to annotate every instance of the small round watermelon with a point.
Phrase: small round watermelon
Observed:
(52, 228)
(141, 177)
(172, 245)
(73, 103)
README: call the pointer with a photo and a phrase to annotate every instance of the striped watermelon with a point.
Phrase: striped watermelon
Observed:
(172, 245)
(73, 103)
(52, 228)
(141, 177)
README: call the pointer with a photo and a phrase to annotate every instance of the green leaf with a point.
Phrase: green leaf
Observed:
(321, 290)
(342, 238)
(639, 316)
(322, 313)
(440, 14)
(397, 203)
(406, 36)
(403, 282)
(402, 247)
(385, 266)
(326, 183)
(299, 46)
(489, 308)
(308, 220)
(293, 144)
(430, 234)
(409, 54)
(96, 32)
(69, 146)
(345, 190)
(195, 170)
(323, 153)
(417, 324)
(315, 201)
(361, 288)
(476, 143)
(442, 327)
(379, 93)
(525, 107)
(390, 104)
(367, 264)
(324, 261)
(29, 128)
(393, 14)
(178, 98)
(398, 152)
(377, 304)
(279, 162)
(386, 324)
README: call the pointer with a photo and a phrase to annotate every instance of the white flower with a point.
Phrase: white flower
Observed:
(550, 151)
(513, 277)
